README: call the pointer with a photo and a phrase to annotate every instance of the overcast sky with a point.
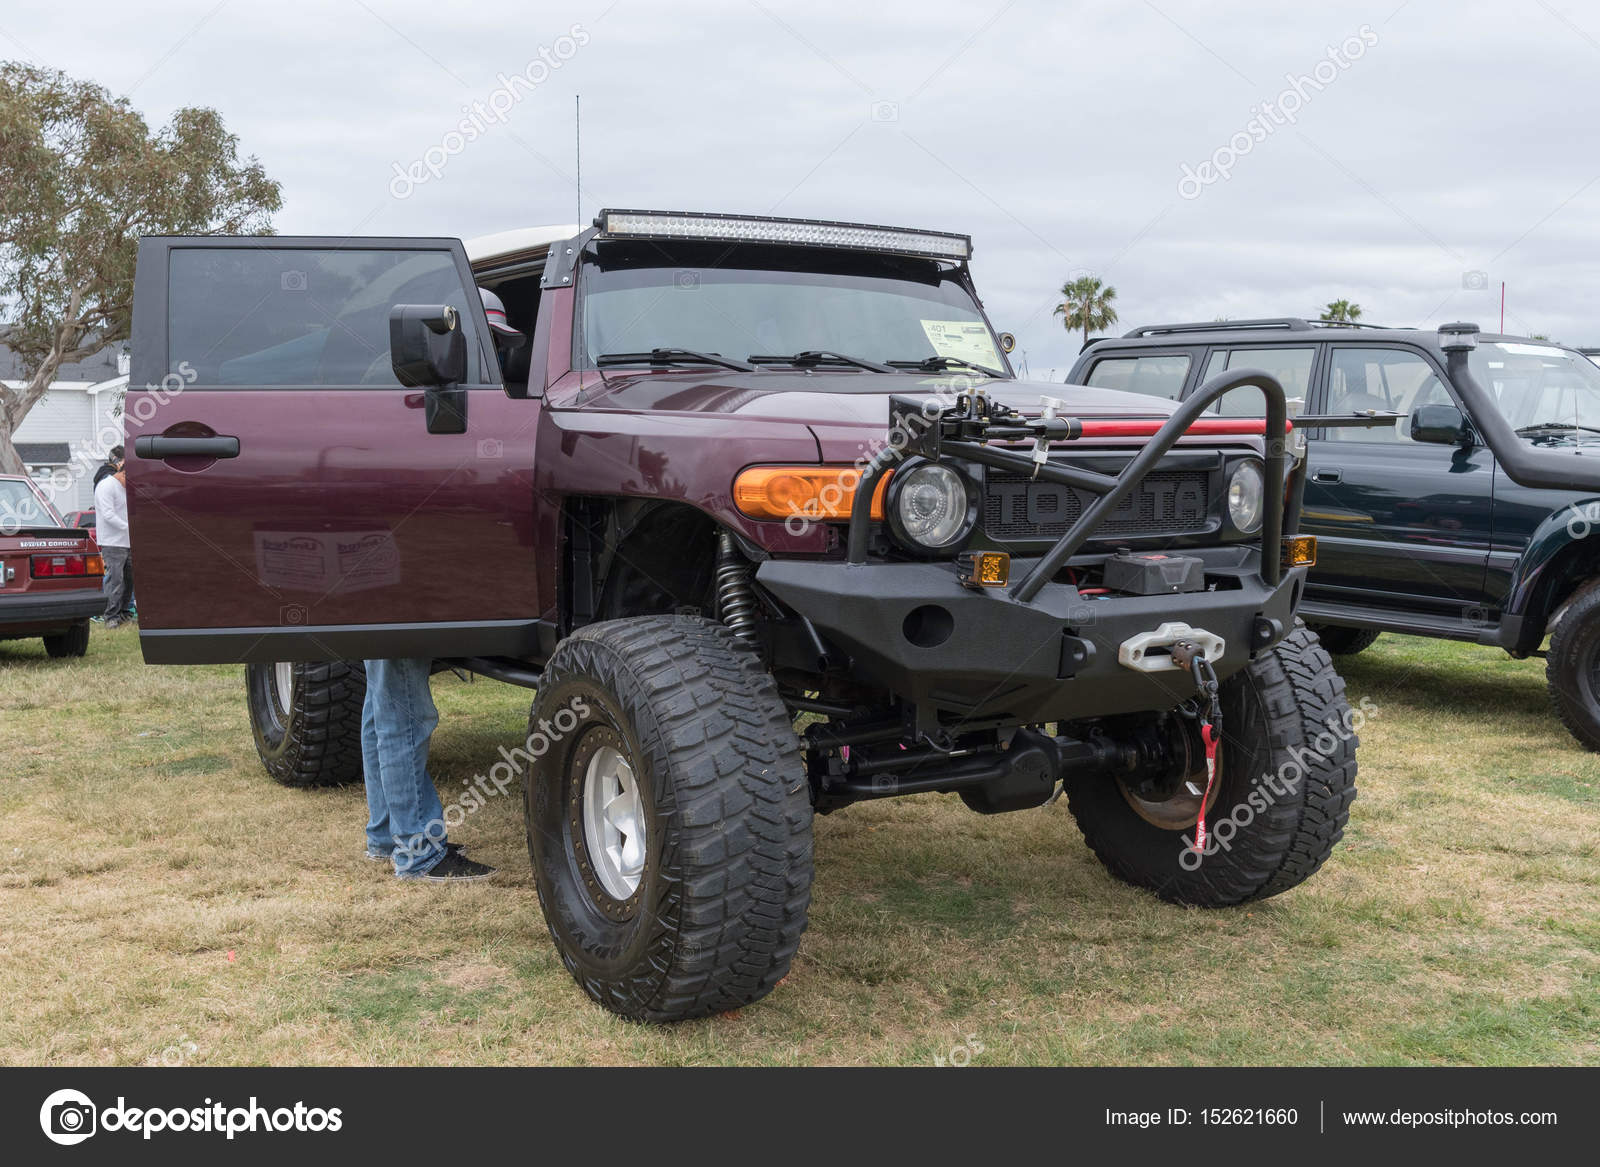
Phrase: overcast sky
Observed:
(1430, 150)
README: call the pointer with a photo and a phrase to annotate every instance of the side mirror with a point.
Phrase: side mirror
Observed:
(1442, 425)
(426, 346)
(1007, 342)
(428, 350)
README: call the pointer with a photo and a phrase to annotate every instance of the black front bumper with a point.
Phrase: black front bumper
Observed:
(23, 608)
(912, 629)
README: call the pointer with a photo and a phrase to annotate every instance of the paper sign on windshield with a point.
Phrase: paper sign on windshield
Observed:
(963, 340)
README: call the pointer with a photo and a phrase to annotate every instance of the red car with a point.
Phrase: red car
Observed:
(49, 572)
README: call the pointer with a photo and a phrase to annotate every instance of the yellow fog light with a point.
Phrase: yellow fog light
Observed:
(1300, 551)
(983, 569)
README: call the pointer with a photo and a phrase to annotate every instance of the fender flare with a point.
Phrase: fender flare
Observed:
(1552, 543)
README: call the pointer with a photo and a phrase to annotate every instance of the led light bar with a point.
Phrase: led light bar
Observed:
(796, 232)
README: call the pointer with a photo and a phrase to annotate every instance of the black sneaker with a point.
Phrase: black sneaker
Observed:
(453, 868)
(388, 856)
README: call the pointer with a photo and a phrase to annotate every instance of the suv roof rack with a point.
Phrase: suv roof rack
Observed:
(1285, 323)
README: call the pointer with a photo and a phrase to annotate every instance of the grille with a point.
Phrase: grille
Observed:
(1167, 502)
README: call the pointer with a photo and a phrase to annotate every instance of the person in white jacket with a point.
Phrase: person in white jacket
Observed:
(111, 529)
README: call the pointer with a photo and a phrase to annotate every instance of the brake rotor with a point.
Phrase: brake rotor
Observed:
(1172, 803)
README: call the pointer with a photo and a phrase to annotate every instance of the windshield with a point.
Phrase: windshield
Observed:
(1539, 384)
(779, 303)
(20, 506)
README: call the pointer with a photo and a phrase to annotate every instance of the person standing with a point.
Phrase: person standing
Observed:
(405, 820)
(111, 530)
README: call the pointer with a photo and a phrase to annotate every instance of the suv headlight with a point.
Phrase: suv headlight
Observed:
(929, 507)
(1246, 493)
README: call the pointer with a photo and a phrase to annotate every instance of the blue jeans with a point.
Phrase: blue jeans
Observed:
(397, 721)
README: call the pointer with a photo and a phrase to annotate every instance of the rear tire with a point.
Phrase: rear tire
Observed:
(73, 642)
(307, 720)
(670, 729)
(1284, 715)
(1342, 641)
(1572, 669)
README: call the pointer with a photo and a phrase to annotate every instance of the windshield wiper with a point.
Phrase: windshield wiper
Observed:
(813, 357)
(1555, 427)
(672, 356)
(940, 364)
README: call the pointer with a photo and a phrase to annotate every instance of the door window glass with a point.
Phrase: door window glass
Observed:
(298, 317)
(1153, 376)
(1291, 366)
(1384, 379)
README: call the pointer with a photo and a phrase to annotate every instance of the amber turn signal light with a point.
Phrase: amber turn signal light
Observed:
(983, 569)
(1300, 551)
(822, 494)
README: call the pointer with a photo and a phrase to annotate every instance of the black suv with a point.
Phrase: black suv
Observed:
(1468, 519)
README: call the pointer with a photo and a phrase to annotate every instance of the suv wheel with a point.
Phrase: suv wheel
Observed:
(73, 642)
(1572, 668)
(307, 720)
(1345, 641)
(669, 818)
(1281, 800)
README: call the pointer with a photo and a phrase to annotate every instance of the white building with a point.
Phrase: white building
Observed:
(62, 440)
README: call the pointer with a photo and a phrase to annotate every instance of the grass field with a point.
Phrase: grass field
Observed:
(161, 901)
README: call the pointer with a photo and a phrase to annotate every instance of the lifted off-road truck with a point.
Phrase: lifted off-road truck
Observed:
(748, 475)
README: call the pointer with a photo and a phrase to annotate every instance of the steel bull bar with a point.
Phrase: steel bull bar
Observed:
(964, 429)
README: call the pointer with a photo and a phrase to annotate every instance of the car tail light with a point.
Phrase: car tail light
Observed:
(54, 566)
(816, 493)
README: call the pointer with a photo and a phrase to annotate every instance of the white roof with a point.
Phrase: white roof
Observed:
(75, 386)
(518, 241)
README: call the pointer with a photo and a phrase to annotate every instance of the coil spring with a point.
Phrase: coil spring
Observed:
(736, 598)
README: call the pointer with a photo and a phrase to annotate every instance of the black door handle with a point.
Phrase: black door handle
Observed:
(1332, 474)
(154, 446)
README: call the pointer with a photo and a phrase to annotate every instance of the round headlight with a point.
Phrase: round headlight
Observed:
(1246, 489)
(930, 505)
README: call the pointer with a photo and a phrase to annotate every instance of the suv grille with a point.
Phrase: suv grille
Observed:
(1167, 502)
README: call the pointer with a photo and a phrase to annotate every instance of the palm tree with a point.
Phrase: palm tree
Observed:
(1086, 303)
(1342, 310)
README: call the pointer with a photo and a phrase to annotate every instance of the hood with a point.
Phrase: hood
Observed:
(1571, 443)
(837, 398)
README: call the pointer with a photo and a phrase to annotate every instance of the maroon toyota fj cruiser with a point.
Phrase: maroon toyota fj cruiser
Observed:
(762, 514)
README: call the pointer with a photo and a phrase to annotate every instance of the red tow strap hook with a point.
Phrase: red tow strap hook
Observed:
(1187, 655)
(1208, 734)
